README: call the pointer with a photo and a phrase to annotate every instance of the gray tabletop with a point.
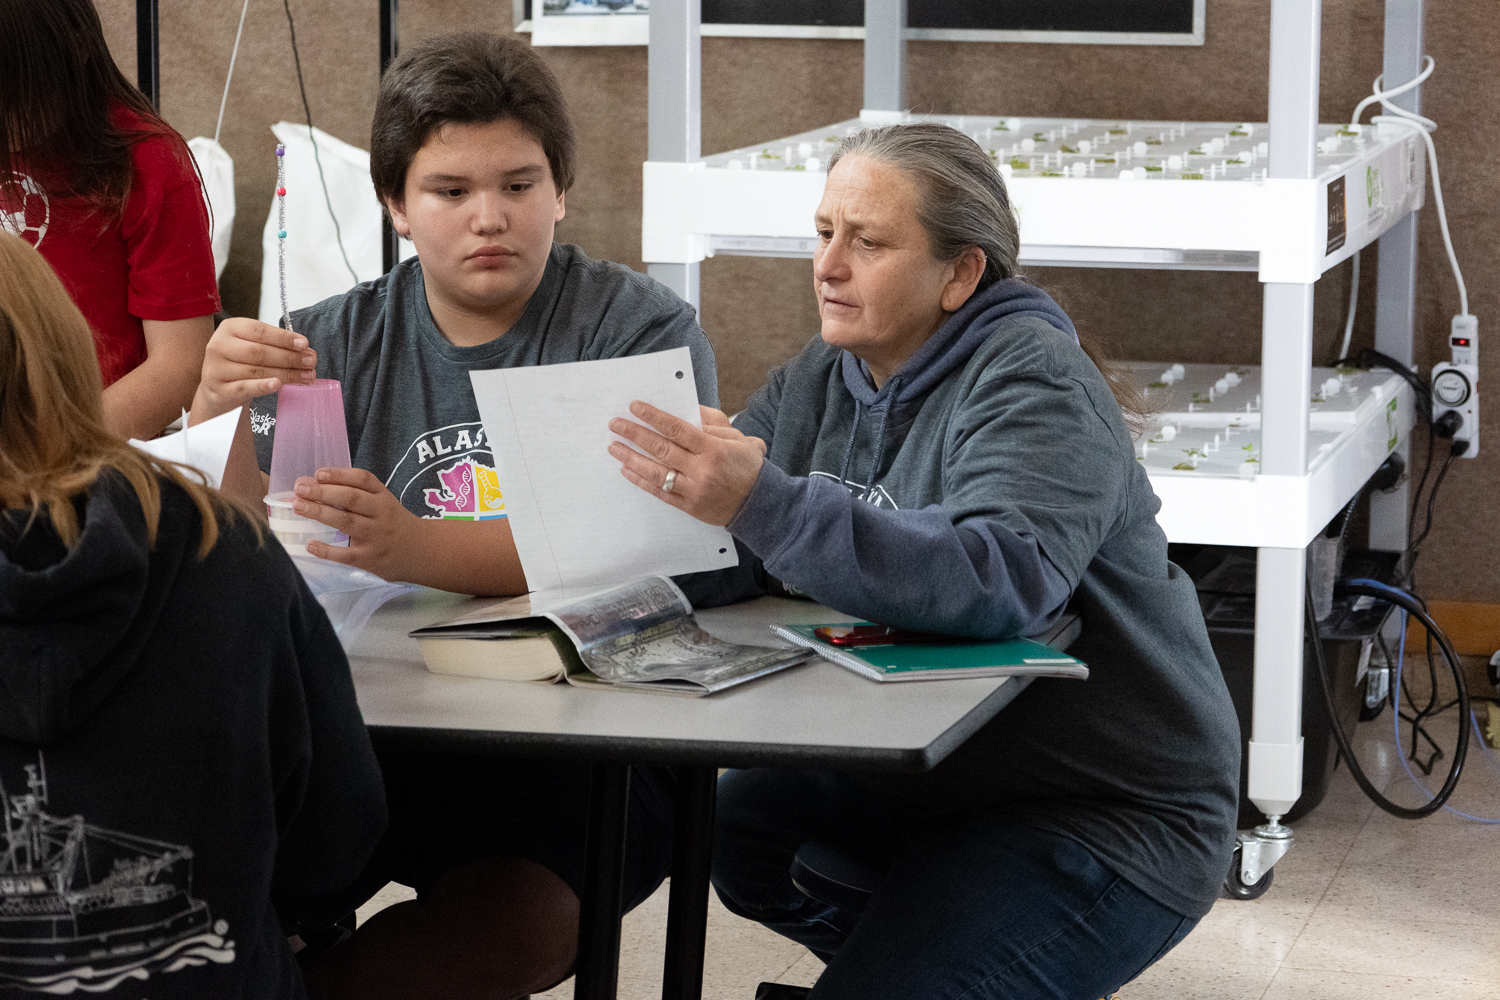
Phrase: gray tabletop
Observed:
(816, 714)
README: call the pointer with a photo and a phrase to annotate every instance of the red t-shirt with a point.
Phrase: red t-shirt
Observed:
(154, 262)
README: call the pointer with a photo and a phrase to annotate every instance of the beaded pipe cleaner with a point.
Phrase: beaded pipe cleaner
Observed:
(286, 316)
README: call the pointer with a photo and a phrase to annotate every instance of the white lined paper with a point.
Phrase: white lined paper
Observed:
(576, 520)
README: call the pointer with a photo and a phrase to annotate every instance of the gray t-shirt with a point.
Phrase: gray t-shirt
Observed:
(407, 397)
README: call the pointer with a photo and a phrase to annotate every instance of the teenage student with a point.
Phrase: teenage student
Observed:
(472, 152)
(93, 178)
(174, 795)
(946, 457)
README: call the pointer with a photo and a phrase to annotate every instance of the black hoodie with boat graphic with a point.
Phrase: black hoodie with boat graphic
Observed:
(184, 772)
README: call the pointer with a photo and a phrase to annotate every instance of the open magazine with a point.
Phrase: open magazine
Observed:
(640, 636)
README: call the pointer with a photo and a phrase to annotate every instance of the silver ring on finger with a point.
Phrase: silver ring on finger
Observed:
(670, 481)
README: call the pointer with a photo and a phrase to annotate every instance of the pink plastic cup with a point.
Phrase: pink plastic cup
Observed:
(310, 435)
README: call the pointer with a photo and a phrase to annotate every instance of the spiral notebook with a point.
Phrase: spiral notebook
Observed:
(944, 660)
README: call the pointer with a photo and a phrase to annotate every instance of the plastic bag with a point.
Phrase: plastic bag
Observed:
(217, 168)
(315, 267)
(349, 596)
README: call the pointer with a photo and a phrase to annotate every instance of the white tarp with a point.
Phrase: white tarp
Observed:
(315, 269)
(217, 169)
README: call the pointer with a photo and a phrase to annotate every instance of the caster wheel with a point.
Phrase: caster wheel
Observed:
(1493, 672)
(1367, 714)
(1235, 887)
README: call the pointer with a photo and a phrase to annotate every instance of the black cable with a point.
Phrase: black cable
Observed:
(1406, 601)
(1473, 697)
(1432, 498)
(1368, 358)
(307, 109)
(1391, 695)
(1416, 499)
(1418, 731)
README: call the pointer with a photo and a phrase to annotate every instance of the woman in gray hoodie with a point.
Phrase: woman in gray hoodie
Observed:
(946, 457)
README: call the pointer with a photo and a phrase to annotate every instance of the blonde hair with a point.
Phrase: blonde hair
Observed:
(53, 440)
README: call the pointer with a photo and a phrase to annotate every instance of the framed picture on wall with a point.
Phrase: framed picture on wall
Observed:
(588, 22)
(1087, 22)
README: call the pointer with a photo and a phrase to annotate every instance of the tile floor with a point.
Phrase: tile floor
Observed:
(1365, 905)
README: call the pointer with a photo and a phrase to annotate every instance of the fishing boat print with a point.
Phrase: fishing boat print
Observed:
(83, 908)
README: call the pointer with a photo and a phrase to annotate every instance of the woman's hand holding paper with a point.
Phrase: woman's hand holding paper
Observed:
(715, 467)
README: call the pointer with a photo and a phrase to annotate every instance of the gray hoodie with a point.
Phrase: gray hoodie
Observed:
(984, 484)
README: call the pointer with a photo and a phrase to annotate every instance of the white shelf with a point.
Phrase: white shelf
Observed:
(1202, 444)
(1190, 195)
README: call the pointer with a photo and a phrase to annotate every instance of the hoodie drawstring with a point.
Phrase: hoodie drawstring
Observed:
(849, 451)
(894, 386)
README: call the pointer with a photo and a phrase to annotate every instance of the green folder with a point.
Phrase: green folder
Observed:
(919, 661)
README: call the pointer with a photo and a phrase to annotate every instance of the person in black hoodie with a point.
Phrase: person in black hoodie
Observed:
(184, 774)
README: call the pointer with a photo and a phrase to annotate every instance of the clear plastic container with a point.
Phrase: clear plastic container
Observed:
(310, 435)
(293, 530)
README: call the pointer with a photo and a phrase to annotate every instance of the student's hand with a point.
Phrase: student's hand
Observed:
(716, 467)
(247, 358)
(382, 533)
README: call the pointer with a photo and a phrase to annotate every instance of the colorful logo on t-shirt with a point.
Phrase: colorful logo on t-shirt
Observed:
(449, 473)
(470, 491)
(24, 208)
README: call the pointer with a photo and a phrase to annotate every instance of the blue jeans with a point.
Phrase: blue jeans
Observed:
(976, 906)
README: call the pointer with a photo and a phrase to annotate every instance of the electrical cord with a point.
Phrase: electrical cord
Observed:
(233, 55)
(1418, 730)
(1398, 687)
(1463, 730)
(1367, 358)
(1405, 601)
(307, 109)
(1429, 64)
(1353, 304)
(1416, 499)
(1453, 452)
(1393, 115)
(219, 125)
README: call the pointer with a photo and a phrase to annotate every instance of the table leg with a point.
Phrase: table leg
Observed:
(598, 965)
(687, 906)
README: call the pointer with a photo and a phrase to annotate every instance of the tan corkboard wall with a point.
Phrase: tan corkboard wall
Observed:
(759, 311)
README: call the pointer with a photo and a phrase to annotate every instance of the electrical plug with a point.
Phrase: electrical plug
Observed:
(1455, 388)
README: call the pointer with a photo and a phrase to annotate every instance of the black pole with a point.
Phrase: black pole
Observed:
(148, 51)
(687, 906)
(391, 243)
(598, 965)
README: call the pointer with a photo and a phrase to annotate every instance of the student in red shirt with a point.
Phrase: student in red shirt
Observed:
(107, 192)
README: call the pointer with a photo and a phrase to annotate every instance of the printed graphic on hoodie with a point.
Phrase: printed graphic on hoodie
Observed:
(85, 908)
(875, 497)
(449, 473)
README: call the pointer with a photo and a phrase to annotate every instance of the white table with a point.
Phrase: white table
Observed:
(813, 715)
